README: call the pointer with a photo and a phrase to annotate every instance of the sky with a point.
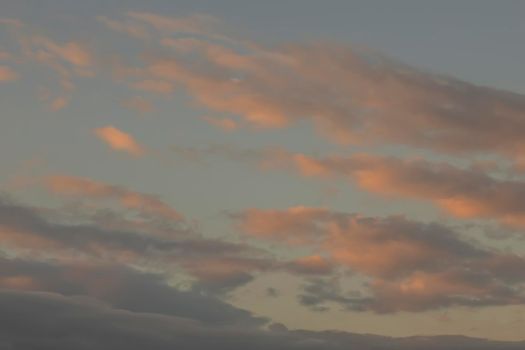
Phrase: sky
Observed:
(294, 174)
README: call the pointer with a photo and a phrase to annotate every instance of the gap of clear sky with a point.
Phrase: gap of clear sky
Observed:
(318, 165)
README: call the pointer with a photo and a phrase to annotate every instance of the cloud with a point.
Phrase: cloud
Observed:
(125, 26)
(139, 104)
(464, 193)
(71, 52)
(409, 265)
(351, 95)
(119, 140)
(154, 85)
(225, 124)
(210, 266)
(67, 59)
(46, 234)
(312, 264)
(35, 320)
(123, 288)
(296, 225)
(145, 204)
(7, 74)
(197, 23)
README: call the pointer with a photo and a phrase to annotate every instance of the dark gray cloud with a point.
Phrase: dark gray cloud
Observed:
(33, 232)
(124, 288)
(31, 320)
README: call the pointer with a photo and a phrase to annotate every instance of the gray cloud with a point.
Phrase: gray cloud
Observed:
(32, 320)
(351, 95)
(122, 287)
(405, 265)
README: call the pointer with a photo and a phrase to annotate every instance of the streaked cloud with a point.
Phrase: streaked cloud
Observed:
(86, 188)
(351, 95)
(462, 192)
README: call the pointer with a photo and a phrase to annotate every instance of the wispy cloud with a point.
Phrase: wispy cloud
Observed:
(464, 193)
(87, 188)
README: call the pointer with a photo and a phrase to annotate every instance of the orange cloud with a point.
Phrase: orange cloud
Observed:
(225, 124)
(296, 225)
(132, 29)
(155, 86)
(7, 74)
(408, 265)
(72, 52)
(350, 95)
(139, 104)
(82, 187)
(198, 23)
(312, 264)
(119, 140)
(464, 193)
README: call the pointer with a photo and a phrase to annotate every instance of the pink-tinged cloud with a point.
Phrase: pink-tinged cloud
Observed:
(7, 74)
(225, 124)
(155, 86)
(409, 265)
(46, 234)
(59, 103)
(312, 264)
(351, 96)
(139, 104)
(198, 23)
(296, 225)
(119, 140)
(128, 27)
(85, 188)
(464, 193)
(72, 52)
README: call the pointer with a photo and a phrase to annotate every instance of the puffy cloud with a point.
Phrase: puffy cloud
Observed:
(119, 140)
(409, 265)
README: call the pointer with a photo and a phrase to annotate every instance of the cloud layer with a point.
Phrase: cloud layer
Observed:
(408, 265)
